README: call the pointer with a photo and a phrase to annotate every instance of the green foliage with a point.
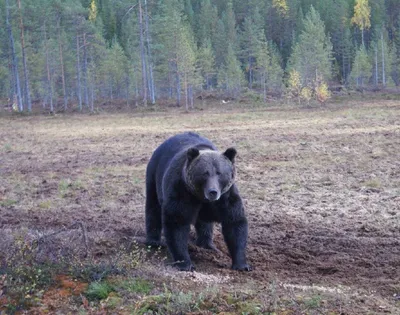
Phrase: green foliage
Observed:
(206, 63)
(93, 46)
(362, 68)
(8, 202)
(230, 75)
(23, 276)
(312, 54)
(98, 290)
(135, 286)
(185, 302)
(294, 86)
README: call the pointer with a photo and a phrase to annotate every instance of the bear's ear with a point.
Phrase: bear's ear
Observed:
(230, 153)
(192, 153)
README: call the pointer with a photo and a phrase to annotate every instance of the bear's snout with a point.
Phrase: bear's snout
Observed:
(212, 194)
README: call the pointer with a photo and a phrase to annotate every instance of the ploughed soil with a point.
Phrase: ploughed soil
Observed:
(321, 187)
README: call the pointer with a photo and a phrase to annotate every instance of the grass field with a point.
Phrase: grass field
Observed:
(321, 188)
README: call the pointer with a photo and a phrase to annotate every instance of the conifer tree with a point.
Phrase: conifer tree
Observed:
(230, 75)
(262, 65)
(362, 68)
(206, 64)
(186, 61)
(252, 37)
(312, 54)
(275, 70)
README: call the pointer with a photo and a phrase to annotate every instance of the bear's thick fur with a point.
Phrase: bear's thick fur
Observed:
(189, 182)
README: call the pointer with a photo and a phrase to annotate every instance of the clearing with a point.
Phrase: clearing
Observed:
(321, 188)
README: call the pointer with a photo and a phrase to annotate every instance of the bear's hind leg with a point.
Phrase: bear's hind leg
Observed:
(204, 233)
(153, 217)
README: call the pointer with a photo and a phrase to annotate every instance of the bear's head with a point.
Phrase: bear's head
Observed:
(209, 174)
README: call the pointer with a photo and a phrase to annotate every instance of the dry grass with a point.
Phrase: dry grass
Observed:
(321, 188)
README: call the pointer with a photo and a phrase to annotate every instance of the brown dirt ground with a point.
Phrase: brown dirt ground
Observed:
(321, 189)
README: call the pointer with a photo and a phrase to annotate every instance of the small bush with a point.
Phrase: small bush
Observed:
(322, 93)
(294, 87)
(136, 286)
(98, 290)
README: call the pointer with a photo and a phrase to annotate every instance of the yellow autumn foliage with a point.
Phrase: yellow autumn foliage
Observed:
(322, 93)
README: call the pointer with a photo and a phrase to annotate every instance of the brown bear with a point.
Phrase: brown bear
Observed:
(188, 181)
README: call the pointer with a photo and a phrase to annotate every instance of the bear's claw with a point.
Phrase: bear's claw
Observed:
(244, 267)
(184, 266)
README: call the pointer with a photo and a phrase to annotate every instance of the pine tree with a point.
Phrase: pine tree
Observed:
(230, 75)
(167, 25)
(262, 65)
(206, 64)
(362, 68)
(24, 58)
(206, 22)
(186, 60)
(17, 86)
(312, 54)
(220, 44)
(275, 71)
(229, 20)
(252, 38)
(344, 53)
(381, 59)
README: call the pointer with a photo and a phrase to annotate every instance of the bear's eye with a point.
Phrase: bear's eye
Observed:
(218, 173)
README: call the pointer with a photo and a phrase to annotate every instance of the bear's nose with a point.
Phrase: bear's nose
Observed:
(212, 193)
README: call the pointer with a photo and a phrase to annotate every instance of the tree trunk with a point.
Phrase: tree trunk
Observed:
(142, 55)
(136, 92)
(250, 74)
(362, 37)
(85, 79)
(61, 63)
(383, 62)
(186, 93)
(376, 65)
(78, 73)
(50, 87)
(92, 95)
(26, 76)
(127, 91)
(178, 89)
(150, 63)
(265, 87)
(343, 68)
(170, 81)
(191, 96)
(17, 85)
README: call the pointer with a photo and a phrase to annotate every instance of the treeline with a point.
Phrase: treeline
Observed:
(64, 53)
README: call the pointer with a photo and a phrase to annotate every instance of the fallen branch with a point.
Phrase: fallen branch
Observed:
(79, 224)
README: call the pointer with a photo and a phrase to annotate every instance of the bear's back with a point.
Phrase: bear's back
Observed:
(179, 143)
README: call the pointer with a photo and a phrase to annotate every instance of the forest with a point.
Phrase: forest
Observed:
(63, 54)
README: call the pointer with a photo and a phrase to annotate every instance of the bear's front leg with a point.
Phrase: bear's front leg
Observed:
(176, 231)
(234, 229)
(177, 241)
(235, 235)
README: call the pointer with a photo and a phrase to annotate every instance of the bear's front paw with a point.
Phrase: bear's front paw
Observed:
(184, 266)
(155, 244)
(241, 267)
